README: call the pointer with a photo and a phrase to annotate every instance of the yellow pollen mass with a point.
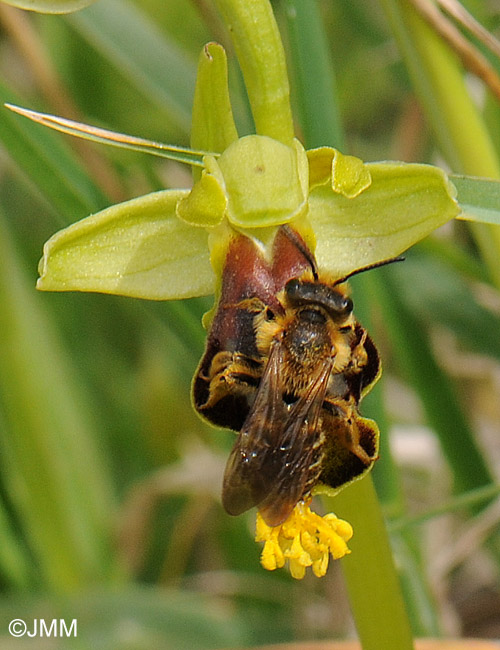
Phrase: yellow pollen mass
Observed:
(305, 539)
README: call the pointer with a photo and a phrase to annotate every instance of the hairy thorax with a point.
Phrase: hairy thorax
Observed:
(308, 340)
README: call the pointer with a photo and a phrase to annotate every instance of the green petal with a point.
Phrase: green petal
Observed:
(320, 165)
(266, 181)
(404, 203)
(138, 248)
(206, 203)
(348, 175)
(50, 6)
(213, 127)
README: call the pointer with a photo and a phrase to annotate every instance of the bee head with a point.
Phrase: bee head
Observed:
(304, 293)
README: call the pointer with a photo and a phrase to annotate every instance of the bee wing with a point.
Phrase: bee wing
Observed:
(273, 460)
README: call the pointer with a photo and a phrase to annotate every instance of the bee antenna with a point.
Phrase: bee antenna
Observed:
(375, 265)
(298, 242)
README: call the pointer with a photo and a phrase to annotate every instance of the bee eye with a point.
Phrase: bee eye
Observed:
(340, 307)
(346, 306)
(292, 288)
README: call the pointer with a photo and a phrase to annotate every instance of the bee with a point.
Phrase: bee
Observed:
(286, 365)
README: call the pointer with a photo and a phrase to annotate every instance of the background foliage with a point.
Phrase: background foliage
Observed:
(109, 483)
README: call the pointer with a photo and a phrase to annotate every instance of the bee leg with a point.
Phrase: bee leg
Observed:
(352, 443)
(219, 363)
(253, 305)
(231, 373)
(359, 355)
(349, 432)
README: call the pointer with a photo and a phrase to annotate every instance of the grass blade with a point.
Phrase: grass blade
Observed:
(49, 164)
(479, 198)
(53, 472)
(314, 75)
(130, 40)
(104, 136)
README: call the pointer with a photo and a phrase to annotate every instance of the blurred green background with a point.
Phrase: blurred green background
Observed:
(109, 483)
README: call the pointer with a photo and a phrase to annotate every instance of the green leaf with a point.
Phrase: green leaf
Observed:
(467, 501)
(479, 198)
(440, 295)
(438, 80)
(15, 564)
(404, 203)
(50, 6)
(137, 248)
(450, 108)
(415, 357)
(314, 74)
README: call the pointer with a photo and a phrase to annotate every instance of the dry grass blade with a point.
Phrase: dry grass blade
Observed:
(470, 56)
(462, 16)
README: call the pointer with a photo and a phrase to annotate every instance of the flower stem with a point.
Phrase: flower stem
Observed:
(372, 581)
(262, 60)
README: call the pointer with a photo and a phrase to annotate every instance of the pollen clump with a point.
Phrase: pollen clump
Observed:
(304, 539)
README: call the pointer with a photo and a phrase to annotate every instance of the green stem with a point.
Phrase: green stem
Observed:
(382, 622)
(372, 581)
(420, 606)
(261, 56)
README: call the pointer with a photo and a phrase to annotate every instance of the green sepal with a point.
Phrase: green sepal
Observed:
(404, 203)
(138, 248)
(257, 42)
